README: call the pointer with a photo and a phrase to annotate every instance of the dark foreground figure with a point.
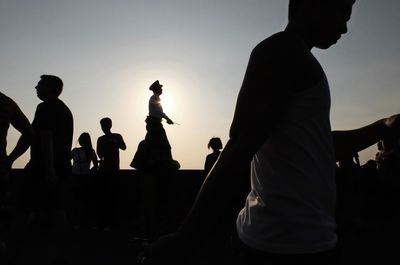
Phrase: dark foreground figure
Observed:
(281, 139)
(42, 189)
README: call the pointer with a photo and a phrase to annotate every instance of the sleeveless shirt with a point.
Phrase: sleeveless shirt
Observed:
(290, 208)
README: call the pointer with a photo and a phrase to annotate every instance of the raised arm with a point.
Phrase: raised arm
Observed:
(347, 143)
(121, 142)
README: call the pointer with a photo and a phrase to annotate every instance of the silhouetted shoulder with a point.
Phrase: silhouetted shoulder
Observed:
(279, 67)
(8, 105)
(285, 56)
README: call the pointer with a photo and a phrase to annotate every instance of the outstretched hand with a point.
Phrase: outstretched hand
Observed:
(169, 121)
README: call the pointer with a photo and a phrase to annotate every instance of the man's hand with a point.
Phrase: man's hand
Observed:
(393, 123)
(169, 121)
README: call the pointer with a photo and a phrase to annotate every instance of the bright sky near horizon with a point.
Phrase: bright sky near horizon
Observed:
(109, 52)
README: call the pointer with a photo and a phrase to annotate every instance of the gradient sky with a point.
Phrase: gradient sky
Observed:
(109, 52)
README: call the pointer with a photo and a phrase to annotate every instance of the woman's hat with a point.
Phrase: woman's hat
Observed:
(156, 84)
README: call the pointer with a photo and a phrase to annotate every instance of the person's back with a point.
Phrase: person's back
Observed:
(108, 146)
(81, 160)
(56, 117)
(108, 149)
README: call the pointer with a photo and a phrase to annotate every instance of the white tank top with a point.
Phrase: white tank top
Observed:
(291, 206)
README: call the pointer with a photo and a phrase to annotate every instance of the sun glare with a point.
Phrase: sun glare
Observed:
(167, 103)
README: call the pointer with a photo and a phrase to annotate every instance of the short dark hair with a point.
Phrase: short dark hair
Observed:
(295, 5)
(55, 83)
(215, 143)
(106, 121)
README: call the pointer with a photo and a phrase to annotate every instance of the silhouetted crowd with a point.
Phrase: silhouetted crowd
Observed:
(370, 191)
(85, 194)
(89, 192)
(286, 189)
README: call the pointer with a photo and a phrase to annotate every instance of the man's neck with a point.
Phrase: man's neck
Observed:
(298, 28)
(50, 99)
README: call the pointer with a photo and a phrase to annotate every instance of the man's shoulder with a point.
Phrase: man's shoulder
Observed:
(63, 106)
(5, 99)
(116, 135)
(8, 104)
(154, 98)
(281, 44)
(101, 138)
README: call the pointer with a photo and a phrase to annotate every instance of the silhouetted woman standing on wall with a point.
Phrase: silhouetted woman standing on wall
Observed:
(156, 137)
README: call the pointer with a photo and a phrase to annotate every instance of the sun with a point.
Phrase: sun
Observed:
(166, 103)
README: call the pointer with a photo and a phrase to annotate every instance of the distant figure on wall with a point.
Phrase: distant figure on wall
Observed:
(108, 147)
(83, 157)
(216, 145)
(156, 136)
(154, 159)
(154, 152)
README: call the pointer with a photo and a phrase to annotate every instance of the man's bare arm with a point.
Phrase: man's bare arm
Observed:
(20, 123)
(347, 143)
(122, 144)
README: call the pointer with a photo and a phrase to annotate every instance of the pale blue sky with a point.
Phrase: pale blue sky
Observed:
(109, 52)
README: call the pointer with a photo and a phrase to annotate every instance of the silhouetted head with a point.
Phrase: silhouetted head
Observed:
(156, 87)
(380, 145)
(49, 87)
(85, 140)
(106, 125)
(322, 22)
(215, 144)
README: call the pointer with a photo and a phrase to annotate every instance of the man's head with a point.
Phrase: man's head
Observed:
(323, 22)
(48, 87)
(106, 125)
